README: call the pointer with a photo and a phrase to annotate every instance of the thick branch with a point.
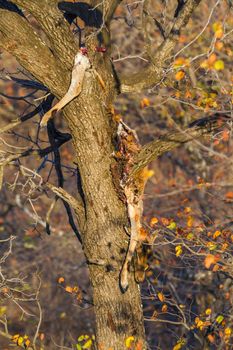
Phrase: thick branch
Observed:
(152, 74)
(54, 25)
(168, 142)
(18, 38)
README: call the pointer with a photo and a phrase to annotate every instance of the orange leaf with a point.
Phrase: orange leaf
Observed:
(61, 279)
(216, 234)
(212, 58)
(229, 195)
(69, 289)
(190, 221)
(154, 221)
(209, 260)
(161, 297)
(211, 338)
(180, 75)
(145, 102)
(165, 221)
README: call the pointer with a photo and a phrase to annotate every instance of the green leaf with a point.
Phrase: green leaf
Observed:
(219, 319)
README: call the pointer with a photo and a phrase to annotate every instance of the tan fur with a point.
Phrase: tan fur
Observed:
(133, 190)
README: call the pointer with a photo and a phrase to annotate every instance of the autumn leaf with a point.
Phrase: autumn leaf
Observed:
(216, 234)
(178, 250)
(219, 65)
(15, 338)
(161, 296)
(153, 221)
(181, 61)
(61, 279)
(165, 221)
(69, 289)
(208, 311)
(27, 343)
(229, 195)
(20, 341)
(219, 45)
(88, 344)
(211, 338)
(181, 342)
(218, 30)
(172, 225)
(228, 332)
(129, 341)
(219, 319)
(164, 308)
(180, 75)
(209, 260)
(190, 221)
(145, 102)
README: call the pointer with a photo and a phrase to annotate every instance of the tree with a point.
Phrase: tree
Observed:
(100, 208)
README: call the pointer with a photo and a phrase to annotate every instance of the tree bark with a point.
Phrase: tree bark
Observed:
(118, 316)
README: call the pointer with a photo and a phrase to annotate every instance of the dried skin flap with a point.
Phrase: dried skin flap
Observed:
(81, 64)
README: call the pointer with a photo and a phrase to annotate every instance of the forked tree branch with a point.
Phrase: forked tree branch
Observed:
(152, 74)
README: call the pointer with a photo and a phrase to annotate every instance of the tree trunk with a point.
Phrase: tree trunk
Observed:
(118, 315)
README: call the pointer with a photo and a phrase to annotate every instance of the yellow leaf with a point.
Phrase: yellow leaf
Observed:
(208, 312)
(219, 65)
(190, 236)
(20, 341)
(228, 331)
(164, 308)
(61, 280)
(211, 245)
(88, 344)
(161, 297)
(179, 344)
(172, 225)
(27, 343)
(177, 347)
(2, 310)
(129, 341)
(180, 75)
(178, 250)
(218, 30)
